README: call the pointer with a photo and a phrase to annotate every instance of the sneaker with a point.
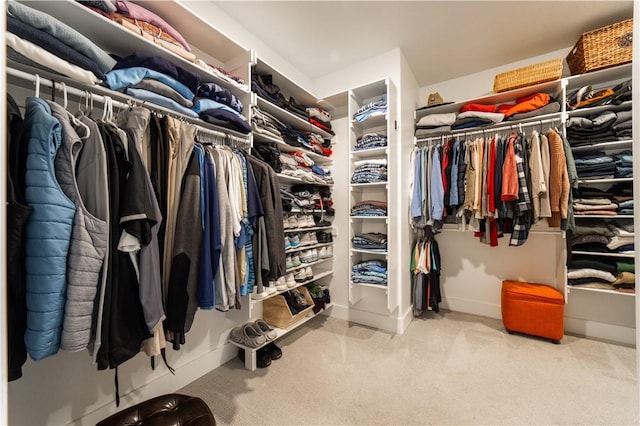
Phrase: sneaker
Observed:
(314, 255)
(299, 301)
(295, 260)
(305, 240)
(300, 275)
(293, 222)
(306, 256)
(270, 289)
(313, 238)
(290, 280)
(322, 253)
(273, 350)
(320, 222)
(281, 284)
(285, 222)
(309, 273)
(289, 262)
(294, 241)
(259, 296)
(330, 251)
(246, 335)
(287, 244)
(324, 237)
(268, 332)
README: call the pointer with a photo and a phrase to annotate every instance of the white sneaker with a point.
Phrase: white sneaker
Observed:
(322, 253)
(314, 238)
(259, 296)
(314, 255)
(305, 239)
(270, 289)
(309, 273)
(330, 251)
(281, 284)
(293, 222)
(290, 280)
(310, 222)
(285, 222)
(305, 256)
(295, 260)
(300, 276)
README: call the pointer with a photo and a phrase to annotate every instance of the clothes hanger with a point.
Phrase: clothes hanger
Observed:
(37, 83)
(65, 102)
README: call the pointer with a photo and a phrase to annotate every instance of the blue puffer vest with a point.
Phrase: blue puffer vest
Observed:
(48, 232)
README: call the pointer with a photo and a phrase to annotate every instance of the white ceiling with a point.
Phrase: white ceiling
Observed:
(440, 39)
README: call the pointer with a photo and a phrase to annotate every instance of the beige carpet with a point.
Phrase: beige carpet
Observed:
(448, 368)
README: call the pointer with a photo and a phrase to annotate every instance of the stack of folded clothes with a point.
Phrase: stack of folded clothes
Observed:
(370, 272)
(264, 123)
(369, 171)
(622, 125)
(305, 197)
(270, 154)
(369, 208)
(370, 141)
(594, 206)
(592, 129)
(595, 165)
(371, 109)
(469, 116)
(374, 241)
(435, 124)
(586, 97)
(144, 23)
(299, 165)
(217, 105)
(610, 237)
(262, 85)
(604, 273)
(530, 106)
(320, 118)
(624, 164)
(39, 40)
(620, 194)
(318, 144)
(152, 78)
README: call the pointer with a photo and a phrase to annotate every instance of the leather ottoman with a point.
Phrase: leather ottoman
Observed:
(164, 410)
(534, 309)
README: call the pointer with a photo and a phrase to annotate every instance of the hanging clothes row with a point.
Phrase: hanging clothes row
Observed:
(493, 185)
(124, 226)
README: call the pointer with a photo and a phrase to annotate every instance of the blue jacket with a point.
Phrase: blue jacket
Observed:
(48, 233)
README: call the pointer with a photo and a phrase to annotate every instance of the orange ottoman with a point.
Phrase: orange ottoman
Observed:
(535, 309)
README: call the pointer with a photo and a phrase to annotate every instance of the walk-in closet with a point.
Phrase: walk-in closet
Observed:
(320, 212)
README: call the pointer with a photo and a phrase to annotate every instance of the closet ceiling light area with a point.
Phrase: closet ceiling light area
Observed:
(441, 40)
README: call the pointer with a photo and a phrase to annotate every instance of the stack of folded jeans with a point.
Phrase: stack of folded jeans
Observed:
(370, 141)
(594, 164)
(372, 109)
(369, 171)
(369, 208)
(592, 129)
(370, 272)
(374, 241)
(624, 164)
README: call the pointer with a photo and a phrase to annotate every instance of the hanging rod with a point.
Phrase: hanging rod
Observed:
(128, 100)
(489, 129)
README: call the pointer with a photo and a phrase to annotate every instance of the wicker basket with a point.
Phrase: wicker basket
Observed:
(602, 48)
(529, 75)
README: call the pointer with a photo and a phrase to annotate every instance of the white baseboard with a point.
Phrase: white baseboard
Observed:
(405, 320)
(579, 327)
(165, 384)
(599, 330)
(469, 306)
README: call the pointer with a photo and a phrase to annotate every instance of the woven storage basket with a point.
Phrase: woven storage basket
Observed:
(529, 75)
(602, 48)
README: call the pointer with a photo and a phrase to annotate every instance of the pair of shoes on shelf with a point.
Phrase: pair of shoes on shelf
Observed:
(266, 291)
(302, 275)
(290, 280)
(248, 335)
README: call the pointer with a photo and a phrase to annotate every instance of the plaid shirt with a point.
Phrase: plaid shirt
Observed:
(520, 224)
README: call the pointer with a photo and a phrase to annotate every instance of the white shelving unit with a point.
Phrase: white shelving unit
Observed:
(383, 124)
(322, 268)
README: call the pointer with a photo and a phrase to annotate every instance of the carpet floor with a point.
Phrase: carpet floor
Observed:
(447, 368)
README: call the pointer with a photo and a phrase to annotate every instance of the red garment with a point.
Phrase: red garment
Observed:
(445, 162)
(478, 107)
(320, 125)
(510, 172)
